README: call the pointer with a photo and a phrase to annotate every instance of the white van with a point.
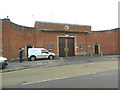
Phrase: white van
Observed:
(39, 53)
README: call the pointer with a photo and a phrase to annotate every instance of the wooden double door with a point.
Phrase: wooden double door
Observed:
(66, 46)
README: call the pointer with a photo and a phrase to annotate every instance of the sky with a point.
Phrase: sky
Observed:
(99, 14)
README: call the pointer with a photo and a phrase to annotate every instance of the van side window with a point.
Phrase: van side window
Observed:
(44, 51)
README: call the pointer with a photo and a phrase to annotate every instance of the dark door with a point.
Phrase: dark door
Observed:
(70, 45)
(29, 46)
(61, 47)
(96, 49)
(66, 46)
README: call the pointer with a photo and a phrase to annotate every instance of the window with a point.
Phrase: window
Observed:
(44, 51)
(81, 46)
(50, 47)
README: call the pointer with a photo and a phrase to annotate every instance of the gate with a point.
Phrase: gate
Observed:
(66, 46)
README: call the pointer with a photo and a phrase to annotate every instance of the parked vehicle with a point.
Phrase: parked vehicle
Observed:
(3, 62)
(39, 53)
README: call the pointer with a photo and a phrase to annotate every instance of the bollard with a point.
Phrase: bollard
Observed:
(101, 54)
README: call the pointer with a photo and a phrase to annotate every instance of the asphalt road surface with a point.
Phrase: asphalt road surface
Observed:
(107, 79)
(72, 73)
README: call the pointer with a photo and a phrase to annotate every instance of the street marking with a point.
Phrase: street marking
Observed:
(18, 70)
(28, 83)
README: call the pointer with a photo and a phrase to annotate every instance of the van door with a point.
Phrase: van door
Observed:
(44, 53)
(39, 53)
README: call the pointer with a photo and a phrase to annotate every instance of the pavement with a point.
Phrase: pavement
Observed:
(16, 65)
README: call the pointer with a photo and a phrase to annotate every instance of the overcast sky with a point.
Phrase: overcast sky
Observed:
(100, 14)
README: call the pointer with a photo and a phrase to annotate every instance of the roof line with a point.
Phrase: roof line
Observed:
(60, 23)
(62, 31)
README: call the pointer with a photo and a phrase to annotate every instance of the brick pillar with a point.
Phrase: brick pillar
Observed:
(1, 38)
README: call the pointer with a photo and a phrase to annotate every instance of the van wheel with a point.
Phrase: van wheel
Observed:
(32, 58)
(51, 57)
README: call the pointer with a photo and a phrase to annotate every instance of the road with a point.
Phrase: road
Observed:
(107, 79)
(92, 74)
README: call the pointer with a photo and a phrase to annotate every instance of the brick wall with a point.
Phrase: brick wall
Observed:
(6, 37)
(16, 36)
(119, 41)
(108, 41)
(53, 38)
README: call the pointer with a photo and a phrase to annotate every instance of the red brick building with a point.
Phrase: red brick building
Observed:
(62, 39)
